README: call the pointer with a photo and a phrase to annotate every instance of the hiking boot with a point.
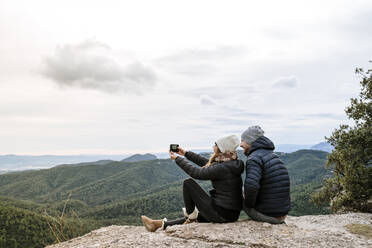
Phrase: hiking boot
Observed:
(152, 225)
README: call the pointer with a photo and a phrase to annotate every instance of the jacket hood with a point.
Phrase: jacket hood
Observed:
(262, 143)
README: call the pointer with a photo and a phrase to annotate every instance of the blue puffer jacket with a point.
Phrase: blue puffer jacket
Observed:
(266, 186)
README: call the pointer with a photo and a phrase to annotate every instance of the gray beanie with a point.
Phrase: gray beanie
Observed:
(252, 133)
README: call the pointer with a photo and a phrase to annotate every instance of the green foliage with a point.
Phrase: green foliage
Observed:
(351, 187)
(92, 184)
(24, 228)
(305, 166)
(301, 200)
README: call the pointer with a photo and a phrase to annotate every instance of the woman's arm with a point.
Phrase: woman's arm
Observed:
(196, 158)
(201, 173)
(193, 157)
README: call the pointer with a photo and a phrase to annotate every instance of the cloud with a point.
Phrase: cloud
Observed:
(90, 65)
(357, 25)
(278, 33)
(325, 116)
(247, 114)
(222, 91)
(206, 53)
(207, 100)
(285, 82)
(201, 60)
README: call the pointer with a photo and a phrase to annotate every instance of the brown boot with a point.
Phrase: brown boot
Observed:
(150, 224)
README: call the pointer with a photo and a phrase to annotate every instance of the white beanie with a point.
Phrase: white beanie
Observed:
(228, 143)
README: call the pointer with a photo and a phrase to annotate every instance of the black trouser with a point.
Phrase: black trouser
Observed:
(257, 216)
(194, 195)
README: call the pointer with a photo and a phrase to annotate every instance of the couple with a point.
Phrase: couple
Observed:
(265, 196)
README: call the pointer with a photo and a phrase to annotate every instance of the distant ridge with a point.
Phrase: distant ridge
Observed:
(323, 146)
(288, 148)
(12, 163)
(140, 157)
(99, 162)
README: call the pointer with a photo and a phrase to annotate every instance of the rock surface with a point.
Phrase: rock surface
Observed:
(304, 231)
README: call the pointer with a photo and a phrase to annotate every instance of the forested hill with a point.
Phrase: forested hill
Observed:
(97, 184)
(100, 194)
(94, 184)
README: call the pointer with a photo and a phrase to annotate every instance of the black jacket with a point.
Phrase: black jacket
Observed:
(266, 186)
(225, 176)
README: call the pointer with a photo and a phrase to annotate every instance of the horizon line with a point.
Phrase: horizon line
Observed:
(116, 152)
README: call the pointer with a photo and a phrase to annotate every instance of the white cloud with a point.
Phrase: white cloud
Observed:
(285, 82)
(207, 60)
(90, 65)
(207, 100)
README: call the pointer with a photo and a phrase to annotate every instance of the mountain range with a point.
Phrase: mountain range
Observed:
(9, 163)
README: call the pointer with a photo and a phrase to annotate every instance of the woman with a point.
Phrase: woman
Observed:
(225, 200)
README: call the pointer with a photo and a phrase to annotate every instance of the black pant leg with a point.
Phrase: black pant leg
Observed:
(189, 194)
(179, 221)
(194, 195)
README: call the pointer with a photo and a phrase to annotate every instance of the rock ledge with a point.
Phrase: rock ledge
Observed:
(304, 231)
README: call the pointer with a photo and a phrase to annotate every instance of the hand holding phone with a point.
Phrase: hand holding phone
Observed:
(181, 151)
(174, 147)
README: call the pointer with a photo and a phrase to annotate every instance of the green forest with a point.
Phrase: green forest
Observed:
(52, 205)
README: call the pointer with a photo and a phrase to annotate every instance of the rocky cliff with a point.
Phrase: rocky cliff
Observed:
(345, 230)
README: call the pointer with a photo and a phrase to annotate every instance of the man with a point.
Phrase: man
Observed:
(266, 186)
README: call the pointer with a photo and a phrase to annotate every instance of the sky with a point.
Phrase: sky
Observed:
(112, 77)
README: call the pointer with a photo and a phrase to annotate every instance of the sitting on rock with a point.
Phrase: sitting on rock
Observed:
(266, 186)
(224, 169)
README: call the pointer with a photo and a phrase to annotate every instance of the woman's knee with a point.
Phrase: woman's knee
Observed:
(188, 182)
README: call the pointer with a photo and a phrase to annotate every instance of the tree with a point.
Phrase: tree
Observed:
(350, 189)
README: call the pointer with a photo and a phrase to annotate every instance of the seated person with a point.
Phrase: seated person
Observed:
(224, 170)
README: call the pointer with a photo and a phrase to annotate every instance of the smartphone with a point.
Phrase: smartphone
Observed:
(174, 147)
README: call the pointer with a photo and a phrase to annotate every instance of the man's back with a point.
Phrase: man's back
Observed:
(267, 186)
